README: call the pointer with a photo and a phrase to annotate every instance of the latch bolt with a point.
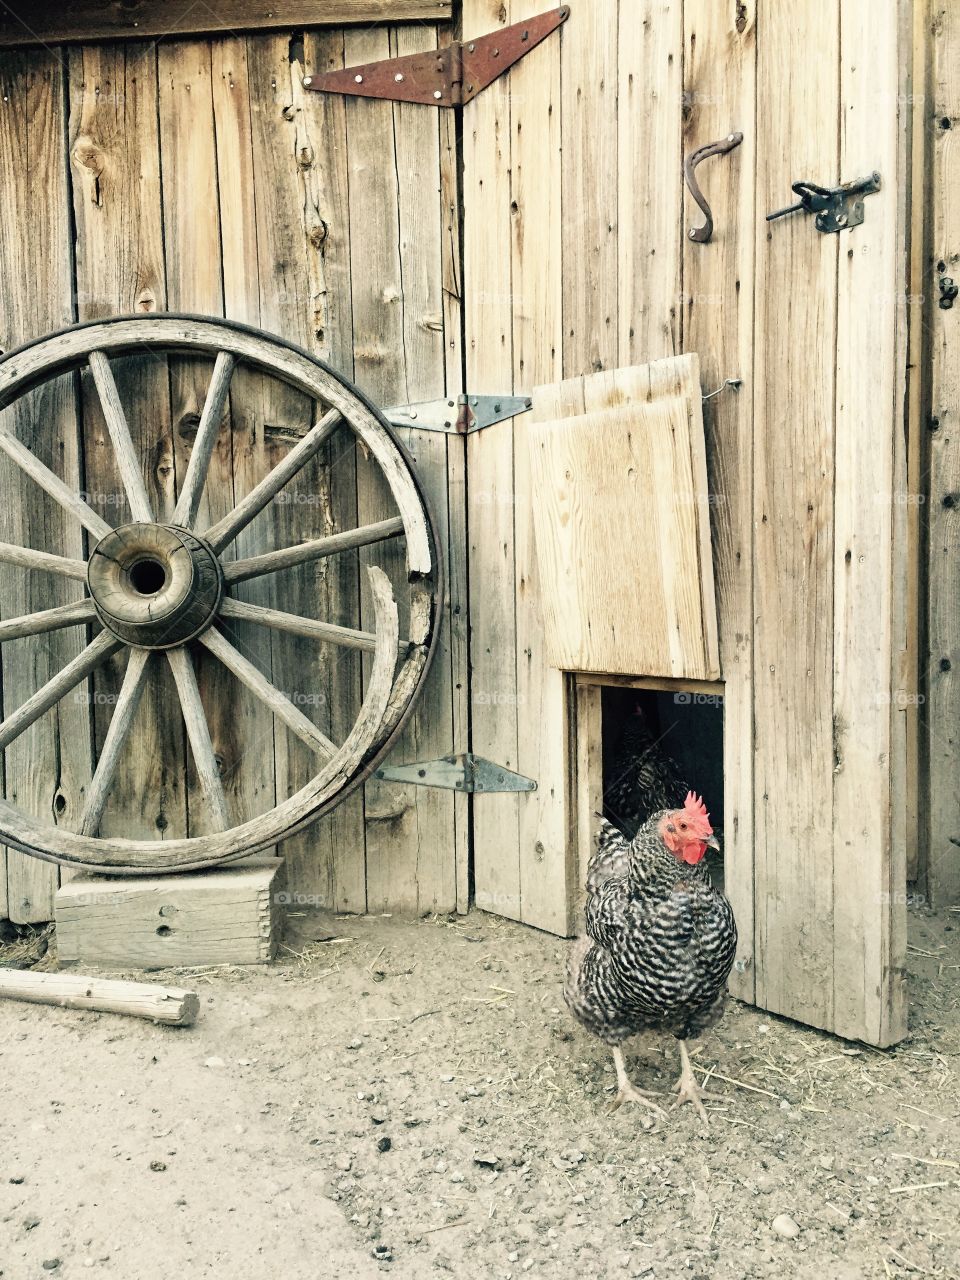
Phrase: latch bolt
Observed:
(837, 208)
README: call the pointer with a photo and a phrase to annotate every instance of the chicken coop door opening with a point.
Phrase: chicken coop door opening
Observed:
(657, 745)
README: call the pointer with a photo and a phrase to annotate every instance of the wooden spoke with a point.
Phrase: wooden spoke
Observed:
(346, 637)
(207, 432)
(278, 702)
(225, 530)
(127, 461)
(45, 478)
(271, 561)
(34, 624)
(78, 669)
(27, 558)
(134, 681)
(198, 731)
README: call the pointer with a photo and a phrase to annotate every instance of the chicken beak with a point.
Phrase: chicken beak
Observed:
(712, 842)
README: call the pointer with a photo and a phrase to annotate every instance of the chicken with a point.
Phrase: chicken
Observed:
(646, 779)
(659, 945)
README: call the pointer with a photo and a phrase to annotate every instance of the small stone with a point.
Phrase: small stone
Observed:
(513, 1257)
(488, 1159)
(18, 1180)
(30, 1223)
(355, 1044)
(527, 1264)
(785, 1226)
(214, 1063)
(826, 1162)
(51, 1264)
(383, 1253)
(384, 1144)
(157, 1166)
(344, 1162)
(457, 1177)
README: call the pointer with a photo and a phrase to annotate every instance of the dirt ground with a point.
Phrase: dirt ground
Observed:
(413, 1099)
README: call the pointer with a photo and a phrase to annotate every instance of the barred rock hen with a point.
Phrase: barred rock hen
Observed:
(646, 779)
(660, 942)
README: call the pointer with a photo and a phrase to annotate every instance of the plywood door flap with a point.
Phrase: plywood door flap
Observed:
(621, 514)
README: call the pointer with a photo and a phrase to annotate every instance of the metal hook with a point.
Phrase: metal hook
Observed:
(702, 234)
(735, 383)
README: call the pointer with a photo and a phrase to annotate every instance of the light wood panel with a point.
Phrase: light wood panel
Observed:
(544, 721)
(794, 406)
(492, 492)
(653, 102)
(869, 952)
(719, 97)
(47, 769)
(942, 655)
(25, 22)
(617, 494)
(399, 353)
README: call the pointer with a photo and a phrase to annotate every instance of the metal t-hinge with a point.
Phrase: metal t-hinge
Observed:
(446, 77)
(837, 208)
(458, 416)
(465, 772)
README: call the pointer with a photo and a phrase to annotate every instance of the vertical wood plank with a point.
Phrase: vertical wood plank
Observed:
(942, 658)
(117, 211)
(195, 284)
(719, 97)
(794, 406)
(546, 818)
(650, 197)
(395, 219)
(488, 318)
(590, 187)
(589, 790)
(46, 769)
(869, 951)
(247, 754)
(457, 579)
(299, 143)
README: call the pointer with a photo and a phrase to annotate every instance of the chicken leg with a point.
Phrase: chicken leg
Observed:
(687, 1089)
(627, 1091)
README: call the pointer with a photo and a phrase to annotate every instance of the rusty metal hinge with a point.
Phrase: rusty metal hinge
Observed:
(446, 77)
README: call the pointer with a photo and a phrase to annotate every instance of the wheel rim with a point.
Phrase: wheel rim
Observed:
(159, 588)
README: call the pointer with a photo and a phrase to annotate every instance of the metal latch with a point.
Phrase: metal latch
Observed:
(460, 415)
(837, 208)
(446, 77)
(465, 772)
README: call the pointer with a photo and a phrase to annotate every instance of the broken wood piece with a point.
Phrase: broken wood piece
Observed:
(170, 1005)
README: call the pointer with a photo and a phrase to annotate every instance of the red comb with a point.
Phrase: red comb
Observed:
(694, 805)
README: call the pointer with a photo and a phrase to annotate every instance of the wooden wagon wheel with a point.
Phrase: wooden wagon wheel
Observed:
(160, 587)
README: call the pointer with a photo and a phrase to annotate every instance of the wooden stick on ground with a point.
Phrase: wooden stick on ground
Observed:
(170, 1005)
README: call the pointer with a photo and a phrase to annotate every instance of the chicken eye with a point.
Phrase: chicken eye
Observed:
(683, 826)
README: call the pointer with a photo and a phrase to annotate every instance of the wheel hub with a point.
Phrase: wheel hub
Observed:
(154, 585)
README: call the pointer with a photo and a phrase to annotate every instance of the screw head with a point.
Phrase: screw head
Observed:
(358, 79)
(398, 77)
(437, 93)
(307, 81)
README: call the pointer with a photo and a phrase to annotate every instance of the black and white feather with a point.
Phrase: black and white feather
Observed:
(659, 945)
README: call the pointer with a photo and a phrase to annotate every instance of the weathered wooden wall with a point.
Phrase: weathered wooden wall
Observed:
(939, 411)
(576, 164)
(196, 175)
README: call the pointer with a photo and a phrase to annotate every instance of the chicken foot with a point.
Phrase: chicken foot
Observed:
(688, 1090)
(627, 1091)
